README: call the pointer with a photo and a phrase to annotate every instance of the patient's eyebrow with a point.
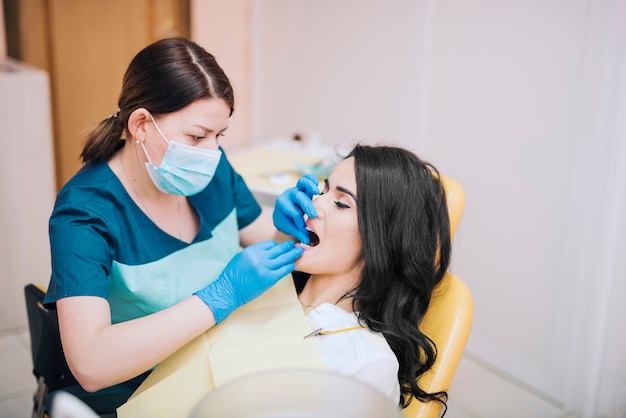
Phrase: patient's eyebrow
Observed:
(346, 191)
(341, 189)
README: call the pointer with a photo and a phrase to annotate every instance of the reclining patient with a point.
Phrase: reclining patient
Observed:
(376, 243)
(379, 243)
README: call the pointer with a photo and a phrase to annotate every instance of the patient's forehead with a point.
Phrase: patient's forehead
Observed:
(343, 175)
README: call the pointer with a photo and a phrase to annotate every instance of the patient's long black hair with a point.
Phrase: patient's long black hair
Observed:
(405, 234)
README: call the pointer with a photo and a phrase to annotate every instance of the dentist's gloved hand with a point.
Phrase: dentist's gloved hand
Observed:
(249, 273)
(293, 204)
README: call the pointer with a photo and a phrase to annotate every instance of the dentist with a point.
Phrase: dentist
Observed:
(145, 238)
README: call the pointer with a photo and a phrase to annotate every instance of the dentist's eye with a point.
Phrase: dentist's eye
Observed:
(341, 205)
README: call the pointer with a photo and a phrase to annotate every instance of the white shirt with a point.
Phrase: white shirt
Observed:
(361, 353)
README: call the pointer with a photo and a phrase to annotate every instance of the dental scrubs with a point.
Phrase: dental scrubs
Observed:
(103, 244)
(360, 353)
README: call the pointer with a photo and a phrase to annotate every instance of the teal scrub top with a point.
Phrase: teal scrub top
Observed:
(103, 245)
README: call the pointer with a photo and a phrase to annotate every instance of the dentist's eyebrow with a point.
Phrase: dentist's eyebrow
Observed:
(208, 129)
(342, 190)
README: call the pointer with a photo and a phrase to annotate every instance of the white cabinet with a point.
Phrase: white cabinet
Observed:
(27, 186)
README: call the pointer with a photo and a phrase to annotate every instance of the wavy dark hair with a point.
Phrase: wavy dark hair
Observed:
(164, 77)
(405, 234)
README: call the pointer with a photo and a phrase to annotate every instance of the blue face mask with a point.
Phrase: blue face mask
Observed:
(184, 170)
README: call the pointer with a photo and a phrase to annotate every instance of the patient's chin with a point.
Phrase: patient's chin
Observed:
(305, 263)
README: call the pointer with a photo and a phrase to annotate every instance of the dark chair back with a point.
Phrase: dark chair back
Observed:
(51, 369)
(47, 352)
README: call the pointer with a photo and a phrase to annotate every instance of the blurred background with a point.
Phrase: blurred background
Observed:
(522, 101)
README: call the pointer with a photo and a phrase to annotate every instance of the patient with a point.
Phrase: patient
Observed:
(379, 245)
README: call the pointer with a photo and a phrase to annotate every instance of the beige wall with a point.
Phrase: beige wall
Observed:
(224, 29)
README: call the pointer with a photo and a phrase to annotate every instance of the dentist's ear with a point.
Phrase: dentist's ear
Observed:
(137, 124)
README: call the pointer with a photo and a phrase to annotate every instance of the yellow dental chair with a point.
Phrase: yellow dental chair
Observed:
(447, 322)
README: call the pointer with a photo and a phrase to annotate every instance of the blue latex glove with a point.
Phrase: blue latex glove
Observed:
(249, 273)
(293, 204)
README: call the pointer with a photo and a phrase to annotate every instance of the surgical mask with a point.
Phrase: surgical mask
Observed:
(184, 170)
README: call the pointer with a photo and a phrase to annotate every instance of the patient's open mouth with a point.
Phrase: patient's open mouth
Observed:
(314, 239)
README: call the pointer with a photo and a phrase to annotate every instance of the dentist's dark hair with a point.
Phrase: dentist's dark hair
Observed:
(164, 77)
(405, 234)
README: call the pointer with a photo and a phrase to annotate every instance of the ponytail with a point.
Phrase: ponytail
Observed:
(104, 140)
